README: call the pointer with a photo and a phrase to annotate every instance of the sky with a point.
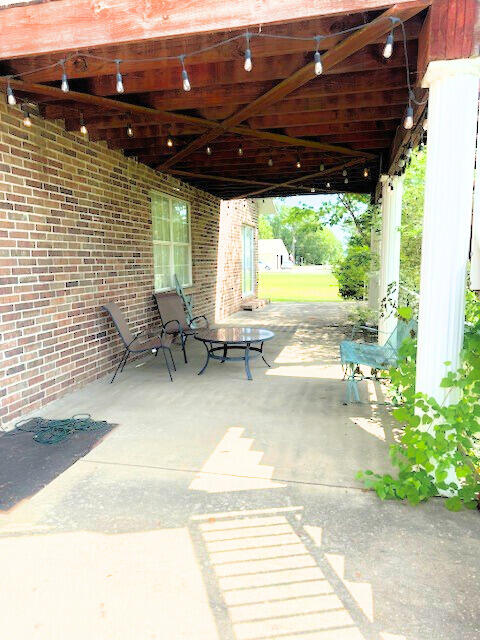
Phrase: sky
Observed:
(315, 202)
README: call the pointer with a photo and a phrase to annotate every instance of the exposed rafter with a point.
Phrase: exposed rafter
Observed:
(334, 56)
(311, 176)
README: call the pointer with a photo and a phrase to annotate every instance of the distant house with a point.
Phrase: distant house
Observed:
(273, 255)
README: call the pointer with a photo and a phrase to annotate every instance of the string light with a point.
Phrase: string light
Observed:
(64, 86)
(185, 80)
(298, 164)
(328, 185)
(83, 128)
(365, 172)
(129, 131)
(10, 95)
(120, 87)
(317, 59)
(270, 162)
(209, 151)
(344, 173)
(240, 151)
(248, 54)
(312, 190)
(322, 167)
(27, 121)
(425, 121)
(169, 141)
(388, 48)
(346, 181)
(408, 122)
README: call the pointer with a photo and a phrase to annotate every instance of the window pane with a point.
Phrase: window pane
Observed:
(180, 221)
(181, 263)
(160, 218)
(161, 266)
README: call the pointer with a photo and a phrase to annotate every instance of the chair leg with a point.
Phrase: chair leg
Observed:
(173, 361)
(184, 343)
(166, 362)
(121, 364)
(125, 362)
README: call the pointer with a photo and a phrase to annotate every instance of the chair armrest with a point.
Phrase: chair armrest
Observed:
(199, 318)
(164, 328)
(357, 328)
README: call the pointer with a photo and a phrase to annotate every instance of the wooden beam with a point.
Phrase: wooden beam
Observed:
(67, 25)
(138, 57)
(213, 74)
(341, 127)
(448, 32)
(333, 57)
(217, 178)
(317, 174)
(325, 85)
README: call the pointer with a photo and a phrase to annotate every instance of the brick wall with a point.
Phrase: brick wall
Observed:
(75, 231)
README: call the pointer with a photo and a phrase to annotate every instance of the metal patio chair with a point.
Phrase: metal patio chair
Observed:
(139, 343)
(377, 357)
(174, 318)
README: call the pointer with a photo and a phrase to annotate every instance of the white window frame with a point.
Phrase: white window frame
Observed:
(248, 294)
(171, 242)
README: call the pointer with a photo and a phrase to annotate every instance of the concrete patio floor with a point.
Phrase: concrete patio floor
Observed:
(219, 508)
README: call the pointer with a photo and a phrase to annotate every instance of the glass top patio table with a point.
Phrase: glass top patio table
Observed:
(248, 340)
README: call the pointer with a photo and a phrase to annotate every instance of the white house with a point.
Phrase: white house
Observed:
(273, 255)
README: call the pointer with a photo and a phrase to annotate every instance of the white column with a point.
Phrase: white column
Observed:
(392, 190)
(452, 124)
(374, 276)
(475, 247)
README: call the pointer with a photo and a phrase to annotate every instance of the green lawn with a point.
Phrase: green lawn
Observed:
(298, 287)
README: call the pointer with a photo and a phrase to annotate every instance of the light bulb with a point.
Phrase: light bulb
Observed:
(425, 124)
(270, 162)
(240, 151)
(120, 88)
(169, 142)
(129, 131)
(312, 190)
(408, 122)
(388, 48)
(365, 173)
(328, 185)
(186, 81)
(10, 96)
(318, 63)
(298, 164)
(83, 129)
(26, 121)
(346, 181)
(401, 162)
(322, 167)
(248, 60)
(344, 173)
(65, 87)
(209, 151)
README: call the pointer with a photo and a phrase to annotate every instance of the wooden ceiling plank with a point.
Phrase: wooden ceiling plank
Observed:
(317, 174)
(67, 25)
(139, 56)
(333, 57)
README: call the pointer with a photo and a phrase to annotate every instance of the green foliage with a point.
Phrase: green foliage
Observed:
(412, 221)
(319, 247)
(362, 315)
(439, 448)
(303, 233)
(265, 231)
(352, 271)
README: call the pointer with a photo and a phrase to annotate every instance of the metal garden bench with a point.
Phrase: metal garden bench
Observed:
(378, 357)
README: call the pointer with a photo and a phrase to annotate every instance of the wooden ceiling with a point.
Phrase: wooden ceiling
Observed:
(280, 113)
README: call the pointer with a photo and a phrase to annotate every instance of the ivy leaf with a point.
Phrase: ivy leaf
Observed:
(454, 503)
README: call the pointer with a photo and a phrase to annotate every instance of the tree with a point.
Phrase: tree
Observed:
(265, 231)
(319, 247)
(412, 222)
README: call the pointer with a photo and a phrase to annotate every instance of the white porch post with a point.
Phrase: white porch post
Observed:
(392, 190)
(452, 122)
(374, 277)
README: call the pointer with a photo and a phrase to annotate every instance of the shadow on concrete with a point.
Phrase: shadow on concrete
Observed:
(27, 466)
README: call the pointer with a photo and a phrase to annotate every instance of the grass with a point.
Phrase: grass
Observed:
(298, 287)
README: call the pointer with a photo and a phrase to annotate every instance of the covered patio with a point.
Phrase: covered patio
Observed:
(135, 145)
(222, 508)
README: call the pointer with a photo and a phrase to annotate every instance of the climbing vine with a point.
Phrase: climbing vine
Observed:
(439, 449)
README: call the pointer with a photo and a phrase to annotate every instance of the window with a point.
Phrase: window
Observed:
(172, 254)
(248, 269)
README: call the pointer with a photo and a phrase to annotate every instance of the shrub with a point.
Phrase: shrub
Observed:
(352, 272)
